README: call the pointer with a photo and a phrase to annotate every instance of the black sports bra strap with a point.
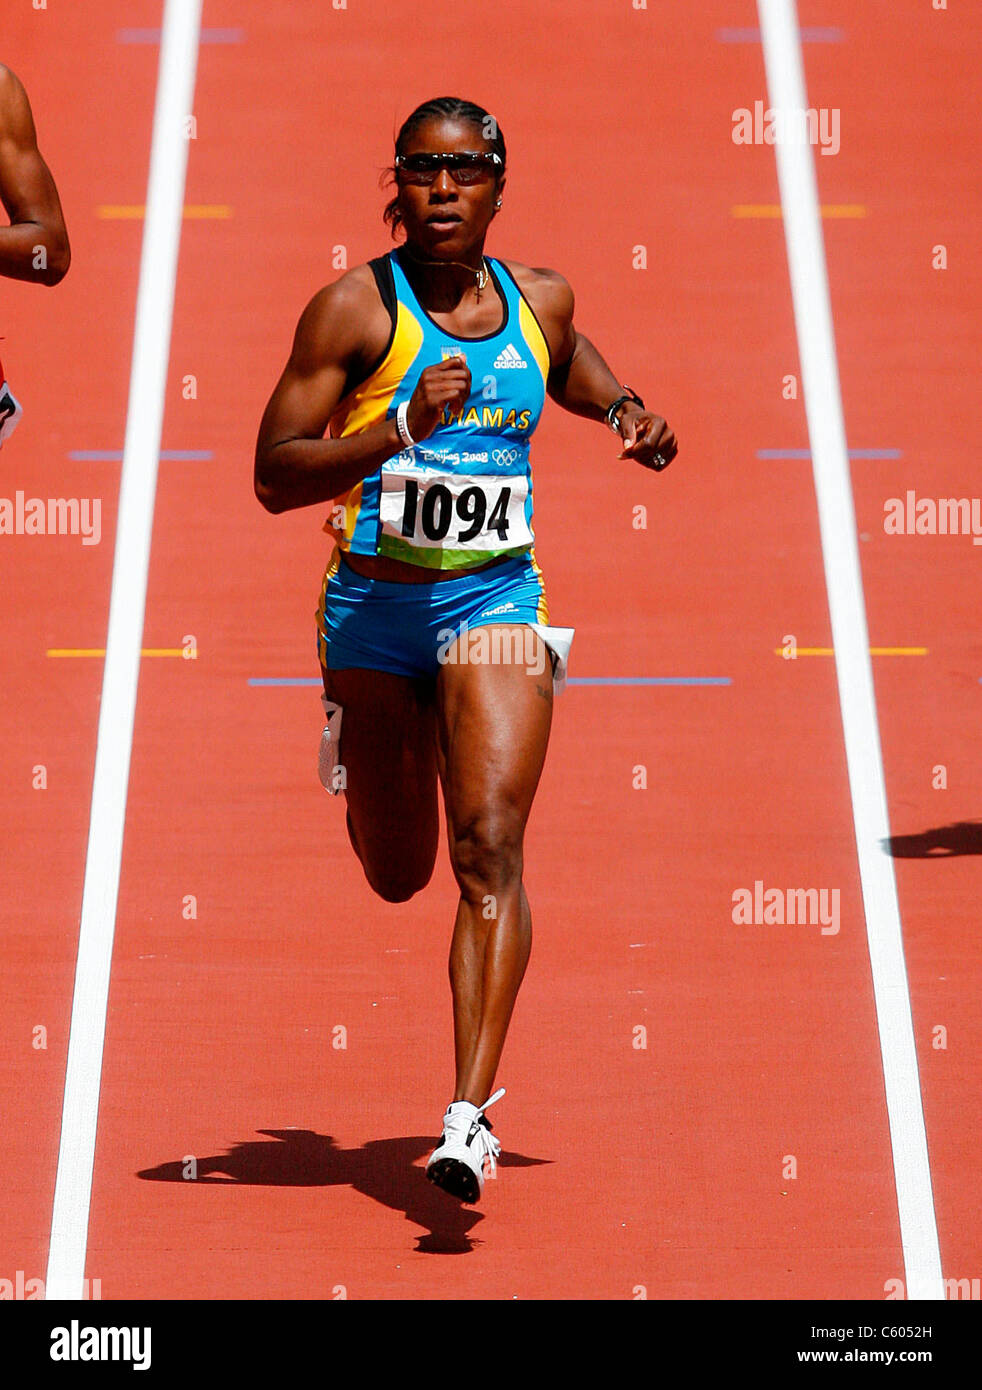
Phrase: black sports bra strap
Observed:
(382, 270)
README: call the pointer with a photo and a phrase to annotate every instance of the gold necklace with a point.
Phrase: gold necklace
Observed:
(481, 274)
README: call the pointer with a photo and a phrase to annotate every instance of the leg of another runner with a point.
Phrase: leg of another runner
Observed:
(493, 722)
(388, 751)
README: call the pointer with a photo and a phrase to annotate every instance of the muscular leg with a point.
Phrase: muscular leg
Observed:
(493, 723)
(388, 751)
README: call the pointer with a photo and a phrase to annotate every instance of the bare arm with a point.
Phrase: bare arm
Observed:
(295, 466)
(35, 245)
(582, 383)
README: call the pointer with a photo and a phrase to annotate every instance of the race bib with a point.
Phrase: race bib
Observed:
(453, 511)
(10, 412)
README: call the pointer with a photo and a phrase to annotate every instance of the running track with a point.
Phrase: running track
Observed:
(626, 1169)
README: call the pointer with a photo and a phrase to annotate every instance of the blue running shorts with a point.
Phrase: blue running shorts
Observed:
(410, 629)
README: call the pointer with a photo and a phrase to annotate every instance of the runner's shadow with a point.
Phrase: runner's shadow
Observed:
(963, 837)
(382, 1169)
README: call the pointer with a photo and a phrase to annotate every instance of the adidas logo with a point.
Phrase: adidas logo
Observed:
(510, 357)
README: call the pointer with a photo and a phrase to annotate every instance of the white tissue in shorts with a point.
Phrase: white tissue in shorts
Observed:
(558, 640)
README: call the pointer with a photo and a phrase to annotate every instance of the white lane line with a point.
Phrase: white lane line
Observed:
(833, 485)
(144, 419)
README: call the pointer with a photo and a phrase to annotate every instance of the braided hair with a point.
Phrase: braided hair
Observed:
(448, 108)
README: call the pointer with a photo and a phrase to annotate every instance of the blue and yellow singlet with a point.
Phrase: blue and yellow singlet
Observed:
(464, 495)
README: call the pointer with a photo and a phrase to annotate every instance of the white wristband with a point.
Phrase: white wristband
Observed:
(402, 427)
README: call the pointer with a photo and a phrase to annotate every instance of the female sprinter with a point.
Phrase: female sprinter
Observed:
(429, 368)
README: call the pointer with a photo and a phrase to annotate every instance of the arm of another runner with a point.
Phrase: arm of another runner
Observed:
(295, 465)
(35, 245)
(582, 383)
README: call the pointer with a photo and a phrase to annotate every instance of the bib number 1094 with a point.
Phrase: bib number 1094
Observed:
(451, 510)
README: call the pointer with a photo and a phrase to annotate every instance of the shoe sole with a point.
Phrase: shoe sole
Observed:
(456, 1178)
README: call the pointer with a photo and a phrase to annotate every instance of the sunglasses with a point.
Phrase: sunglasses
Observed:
(465, 167)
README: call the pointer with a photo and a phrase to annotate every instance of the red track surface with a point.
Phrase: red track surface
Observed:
(659, 1167)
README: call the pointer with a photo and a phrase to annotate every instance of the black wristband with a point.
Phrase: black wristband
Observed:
(621, 400)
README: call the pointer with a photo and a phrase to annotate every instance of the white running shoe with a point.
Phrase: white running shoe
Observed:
(329, 767)
(458, 1162)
